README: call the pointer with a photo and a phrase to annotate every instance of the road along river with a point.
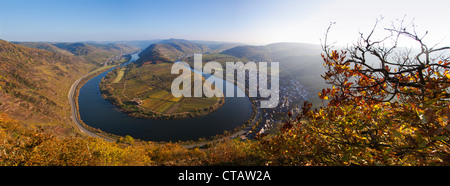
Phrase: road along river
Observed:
(100, 113)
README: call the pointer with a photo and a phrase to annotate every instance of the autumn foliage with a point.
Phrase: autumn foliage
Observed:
(22, 146)
(386, 105)
(393, 110)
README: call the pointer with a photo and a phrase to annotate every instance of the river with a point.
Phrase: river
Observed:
(100, 113)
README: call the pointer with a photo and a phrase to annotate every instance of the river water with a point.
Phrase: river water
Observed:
(100, 113)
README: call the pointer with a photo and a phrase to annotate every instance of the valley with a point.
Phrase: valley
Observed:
(142, 89)
(222, 83)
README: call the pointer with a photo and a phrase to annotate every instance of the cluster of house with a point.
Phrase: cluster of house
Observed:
(117, 58)
(292, 93)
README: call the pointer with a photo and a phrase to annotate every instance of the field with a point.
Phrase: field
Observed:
(119, 75)
(146, 89)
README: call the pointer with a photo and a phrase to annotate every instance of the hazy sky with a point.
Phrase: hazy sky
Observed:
(252, 21)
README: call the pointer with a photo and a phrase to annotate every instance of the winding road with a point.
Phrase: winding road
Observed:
(74, 111)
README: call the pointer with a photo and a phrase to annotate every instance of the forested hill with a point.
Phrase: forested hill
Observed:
(92, 52)
(178, 49)
(34, 82)
(273, 52)
(170, 50)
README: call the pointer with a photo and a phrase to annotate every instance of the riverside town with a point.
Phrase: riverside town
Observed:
(185, 79)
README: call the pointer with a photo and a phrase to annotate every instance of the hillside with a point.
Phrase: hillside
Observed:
(34, 117)
(45, 46)
(170, 50)
(255, 53)
(217, 46)
(35, 81)
(153, 54)
(34, 84)
(22, 146)
(92, 51)
(273, 52)
(177, 49)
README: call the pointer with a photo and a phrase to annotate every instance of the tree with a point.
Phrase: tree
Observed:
(393, 110)
(380, 70)
(128, 139)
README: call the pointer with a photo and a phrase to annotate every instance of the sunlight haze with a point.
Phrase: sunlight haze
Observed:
(248, 21)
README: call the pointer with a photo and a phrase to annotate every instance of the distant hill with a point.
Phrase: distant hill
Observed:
(45, 46)
(273, 52)
(92, 51)
(299, 60)
(170, 50)
(77, 49)
(114, 47)
(255, 53)
(283, 50)
(154, 54)
(217, 46)
(34, 83)
(185, 45)
(140, 44)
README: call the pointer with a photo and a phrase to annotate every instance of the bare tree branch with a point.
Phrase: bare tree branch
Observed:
(395, 71)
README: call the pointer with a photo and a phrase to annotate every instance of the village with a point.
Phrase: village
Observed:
(118, 59)
(291, 95)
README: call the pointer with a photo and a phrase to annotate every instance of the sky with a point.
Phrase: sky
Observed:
(245, 21)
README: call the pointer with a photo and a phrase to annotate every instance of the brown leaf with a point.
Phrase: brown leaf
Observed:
(430, 115)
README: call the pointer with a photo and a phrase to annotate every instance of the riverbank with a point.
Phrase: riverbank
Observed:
(73, 101)
(144, 92)
(93, 132)
(243, 131)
